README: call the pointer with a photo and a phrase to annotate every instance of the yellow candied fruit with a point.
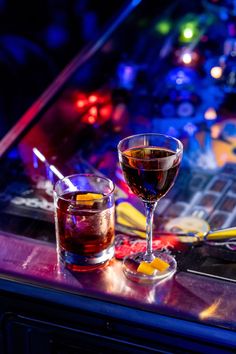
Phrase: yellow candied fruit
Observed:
(159, 264)
(146, 268)
(88, 198)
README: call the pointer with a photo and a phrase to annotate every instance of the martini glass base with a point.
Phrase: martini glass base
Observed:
(131, 263)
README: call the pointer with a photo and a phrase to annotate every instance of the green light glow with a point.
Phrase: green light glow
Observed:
(163, 27)
(188, 31)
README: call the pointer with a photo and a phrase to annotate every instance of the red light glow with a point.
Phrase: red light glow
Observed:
(80, 103)
(93, 98)
(93, 111)
(106, 111)
(91, 119)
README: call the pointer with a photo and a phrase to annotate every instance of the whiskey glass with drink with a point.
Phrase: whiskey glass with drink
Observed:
(150, 163)
(84, 220)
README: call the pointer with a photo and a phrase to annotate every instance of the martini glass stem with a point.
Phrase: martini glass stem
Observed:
(150, 209)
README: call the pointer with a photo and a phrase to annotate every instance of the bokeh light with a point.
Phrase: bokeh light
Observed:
(210, 114)
(187, 58)
(188, 33)
(163, 27)
(216, 72)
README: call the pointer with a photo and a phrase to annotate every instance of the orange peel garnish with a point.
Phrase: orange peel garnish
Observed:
(159, 264)
(88, 198)
(146, 268)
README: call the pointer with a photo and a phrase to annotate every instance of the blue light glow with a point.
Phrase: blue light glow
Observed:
(181, 76)
(56, 36)
(126, 75)
(135, 2)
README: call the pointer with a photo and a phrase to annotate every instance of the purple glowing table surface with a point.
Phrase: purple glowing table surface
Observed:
(185, 295)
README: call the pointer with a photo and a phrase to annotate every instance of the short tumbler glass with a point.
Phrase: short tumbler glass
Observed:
(84, 219)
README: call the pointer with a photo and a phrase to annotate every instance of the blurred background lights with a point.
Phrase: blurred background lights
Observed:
(187, 58)
(215, 131)
(163, 27)
(189, 30)
(181, 76)
(216, 72)
(93, 111)
(188, 33)
(126, 75)
(92, 98)
(56, 36)
(210, 114)
(190, 128)
(91, 119)
(80, 103)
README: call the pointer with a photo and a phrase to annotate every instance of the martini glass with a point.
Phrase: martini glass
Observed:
(150, 163)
